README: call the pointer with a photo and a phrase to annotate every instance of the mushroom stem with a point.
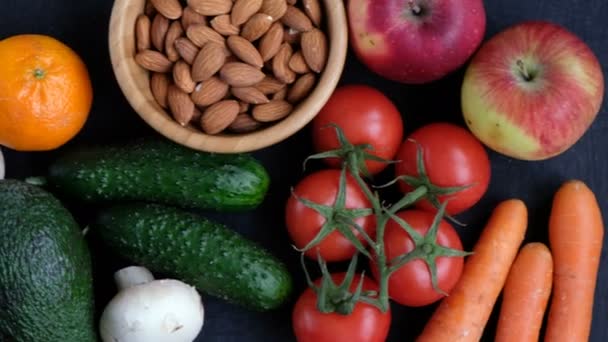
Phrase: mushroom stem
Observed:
(132, 276)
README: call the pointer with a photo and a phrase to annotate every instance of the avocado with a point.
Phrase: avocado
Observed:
(46, 285)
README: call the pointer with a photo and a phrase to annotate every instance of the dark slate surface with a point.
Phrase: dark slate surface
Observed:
(84, 25)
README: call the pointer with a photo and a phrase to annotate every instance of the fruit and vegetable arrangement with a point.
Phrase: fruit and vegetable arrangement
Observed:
(374, 218)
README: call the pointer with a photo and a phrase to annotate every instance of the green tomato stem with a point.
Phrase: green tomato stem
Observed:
(383, 272)
(382, 218)
(409, 199)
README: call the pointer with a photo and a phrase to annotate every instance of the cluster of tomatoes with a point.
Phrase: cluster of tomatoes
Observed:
(452, 159)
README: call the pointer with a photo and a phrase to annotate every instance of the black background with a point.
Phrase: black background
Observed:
(83, 25)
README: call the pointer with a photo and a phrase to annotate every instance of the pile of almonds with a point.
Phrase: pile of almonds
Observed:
(227, 65)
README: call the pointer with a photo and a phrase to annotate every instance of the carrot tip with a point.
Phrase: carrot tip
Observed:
(575, 183)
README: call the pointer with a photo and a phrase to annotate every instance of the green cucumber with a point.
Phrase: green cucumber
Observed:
(46, 281)
(208, 255)
(160, 171)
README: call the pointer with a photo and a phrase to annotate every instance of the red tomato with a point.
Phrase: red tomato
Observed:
(365, 323)
(411, 284)
(453, 157)
(366, 116)
(304, 223)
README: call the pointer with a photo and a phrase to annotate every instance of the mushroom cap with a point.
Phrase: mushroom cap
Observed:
(160, 311)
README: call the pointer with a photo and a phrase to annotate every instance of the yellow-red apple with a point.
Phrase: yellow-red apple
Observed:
(532, 91)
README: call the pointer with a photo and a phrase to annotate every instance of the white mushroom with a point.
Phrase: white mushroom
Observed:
(151, 310)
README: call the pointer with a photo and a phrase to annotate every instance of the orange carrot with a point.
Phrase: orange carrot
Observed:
(526, 295)
(576, 233)
(462, 315)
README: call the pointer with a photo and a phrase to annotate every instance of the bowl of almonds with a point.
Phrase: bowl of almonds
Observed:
(228, 76)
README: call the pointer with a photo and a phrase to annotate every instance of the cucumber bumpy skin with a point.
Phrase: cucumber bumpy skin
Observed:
(161, 171)
(185, 246)
(46, 282)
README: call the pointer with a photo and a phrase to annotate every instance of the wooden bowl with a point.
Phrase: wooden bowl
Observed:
(134, 82)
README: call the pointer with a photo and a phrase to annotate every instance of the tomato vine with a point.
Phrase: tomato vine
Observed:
(337, 297)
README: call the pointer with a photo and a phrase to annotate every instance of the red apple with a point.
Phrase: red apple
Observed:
(532, 91)
(415, 41)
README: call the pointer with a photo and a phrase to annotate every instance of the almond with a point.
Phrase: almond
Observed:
(211, 7)
(180, 104)
(223, 25)
(186, 49)
(209, 92)
(280, 64)
(171, 9)
(298, 64)
(296, 19)
(291, 36)
(312, 8)
(239, 74)
(272, 111)
(159, 86)
(271, 42)
(158, 31)
(270, 85)
(153, 61)
(244, 50)
(244, 123)
(142, 32)
(175, 31)
(314, 49)
(249, 95)
(190, 17)
(219, 116)
(274, 8)
(256, 26)
(208, 61)
(201, 34)
(280, 95)
(244, 107)
(301, 88)
(243, 10)
(182, 77)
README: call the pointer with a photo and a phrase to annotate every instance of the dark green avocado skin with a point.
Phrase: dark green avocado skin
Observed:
(161, 171)
(46, 285)
(205, 254)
